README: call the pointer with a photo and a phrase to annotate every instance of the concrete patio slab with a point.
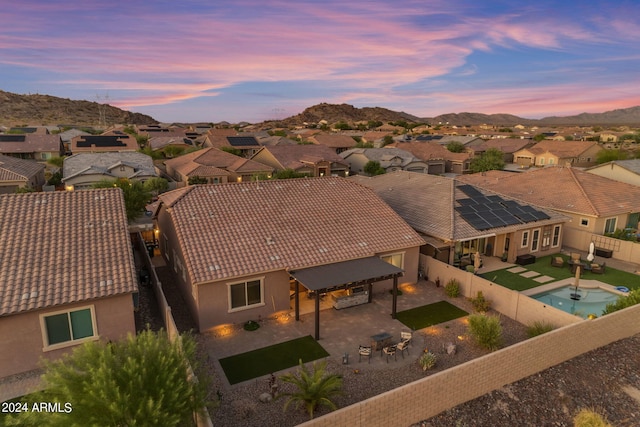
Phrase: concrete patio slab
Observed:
(530, 274)
(544, 279)
(516, 270)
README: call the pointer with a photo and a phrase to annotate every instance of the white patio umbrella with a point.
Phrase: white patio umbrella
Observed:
(592, 247)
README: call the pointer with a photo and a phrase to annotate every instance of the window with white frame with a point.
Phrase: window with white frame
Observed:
(556, 236)
(610, 225)
(394, 259)
(246, 294)
(584, 222)
(525, 239)
(535, 237)
(64, 328)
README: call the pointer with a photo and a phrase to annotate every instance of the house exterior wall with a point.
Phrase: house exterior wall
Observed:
(615, 172)
(22, 335)
(543, 246)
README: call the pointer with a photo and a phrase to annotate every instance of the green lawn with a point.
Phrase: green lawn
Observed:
(429, 315)
(266, 360)
(543, 266)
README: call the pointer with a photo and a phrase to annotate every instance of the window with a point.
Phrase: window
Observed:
(556, 236)
(541, 161)
(394, 259)
(68, 327)
(245, 294)
(551, 160)
(525, 239)
(610, 225)
(534, 240)
(584, 222)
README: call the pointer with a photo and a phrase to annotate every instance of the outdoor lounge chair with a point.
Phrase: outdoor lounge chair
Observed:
(575, 257)
(390, 351)
(557, 261)
(403, 346)
(406, 336)
(364, 350)
(598, 268)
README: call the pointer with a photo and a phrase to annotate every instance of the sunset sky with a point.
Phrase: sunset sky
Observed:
(254, 60)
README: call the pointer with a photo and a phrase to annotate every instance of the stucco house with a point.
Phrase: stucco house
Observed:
(456, 163)
(114, 141)
(82, 171)
(311, 160)
(239, 250)
(558, 153)
(216, 166)
(67, 274)
(31, 146)
(19, 173)
(391, 159)
(457, 219)
(595, 205)
(337, 142)
(619, 170)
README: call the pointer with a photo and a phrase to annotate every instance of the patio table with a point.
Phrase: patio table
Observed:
(380, 341)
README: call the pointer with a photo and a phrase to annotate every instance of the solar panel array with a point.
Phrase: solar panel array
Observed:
(485, 212)
(239, 141)
(101, 141)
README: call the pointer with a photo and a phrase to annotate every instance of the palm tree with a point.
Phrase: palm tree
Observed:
(314, 387)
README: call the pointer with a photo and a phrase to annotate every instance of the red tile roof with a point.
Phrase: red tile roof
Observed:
(62, 247)
(237, 229)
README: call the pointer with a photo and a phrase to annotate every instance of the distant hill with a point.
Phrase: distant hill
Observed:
(334, 113)
(48, 110)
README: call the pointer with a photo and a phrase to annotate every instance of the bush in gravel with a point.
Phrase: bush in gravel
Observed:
(452, 288)
(486, 331)
(628, 300)
(539, 328)
(590, 418)
(427, 360)
(480, 303)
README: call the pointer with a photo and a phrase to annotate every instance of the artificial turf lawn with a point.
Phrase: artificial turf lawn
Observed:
(543, 266)
(429, 315)
(266, 360)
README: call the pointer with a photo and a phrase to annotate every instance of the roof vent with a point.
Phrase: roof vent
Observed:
(363, 244)
(103, 283)
(214, 267)
(269, 240)
(274, 257)
(323, 250)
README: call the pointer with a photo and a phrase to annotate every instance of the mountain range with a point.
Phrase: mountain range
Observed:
(37, 109)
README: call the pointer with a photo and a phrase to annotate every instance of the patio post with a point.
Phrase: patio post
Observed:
(317, 315)
(395, 297)
(370, 288)
(297, 300)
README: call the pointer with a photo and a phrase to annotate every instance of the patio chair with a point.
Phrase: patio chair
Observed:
(403, 346)
(598, 268)
(406, 336)
(557, 261)
(390, 350)
(575, 257)
(364, 350)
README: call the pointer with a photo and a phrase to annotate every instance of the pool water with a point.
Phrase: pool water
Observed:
(592, 301)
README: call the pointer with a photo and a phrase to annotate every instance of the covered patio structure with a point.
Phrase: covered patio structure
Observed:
(344, 275)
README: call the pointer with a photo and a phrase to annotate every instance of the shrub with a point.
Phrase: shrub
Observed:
(452, 288)
(539, 328)
(480, 303)
(625, 301)
(251, 325)
(427, 360)
(486, 331)
(590, 418)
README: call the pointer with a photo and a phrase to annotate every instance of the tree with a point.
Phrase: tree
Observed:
(455, 147)
(172, 151)
(156, 185)
(492, 159)
(56, 161)
(539, 137)
(56, 179)
(143, 380)
(388, 139)
(136, 196)
(314, 388)
(605, 156)
(373, 168)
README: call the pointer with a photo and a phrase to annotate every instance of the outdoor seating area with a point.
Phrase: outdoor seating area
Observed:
(385, 343)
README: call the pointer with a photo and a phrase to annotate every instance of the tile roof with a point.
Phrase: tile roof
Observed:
(29, 143)
(427, 203)
(562, 149)
(103, 163)
(14, 169)
(506, 145)
(62, 247)
(383, 155)
(300, 155)
(237, 229)
(216, 158)
(564, 189)
(632, 165)
(431, 150)
(334, 141)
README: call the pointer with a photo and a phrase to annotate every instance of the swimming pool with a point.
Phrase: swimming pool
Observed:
(592, 300)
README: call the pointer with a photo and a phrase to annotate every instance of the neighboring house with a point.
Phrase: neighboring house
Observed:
(18, 173)
(457, 219)
(68, 135)
(456, 163)
(247, 145)
(460, 139)
(391, 159)
(310, 160)
(336, 142)
(33, 146)
(116, 141)
(169, 145)
(620, 170)
(67, 274)
(238, 249)
(561, 153)
(374, 137)
(594, 204)
(82, 171)
(216, 166)
(508, 146)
